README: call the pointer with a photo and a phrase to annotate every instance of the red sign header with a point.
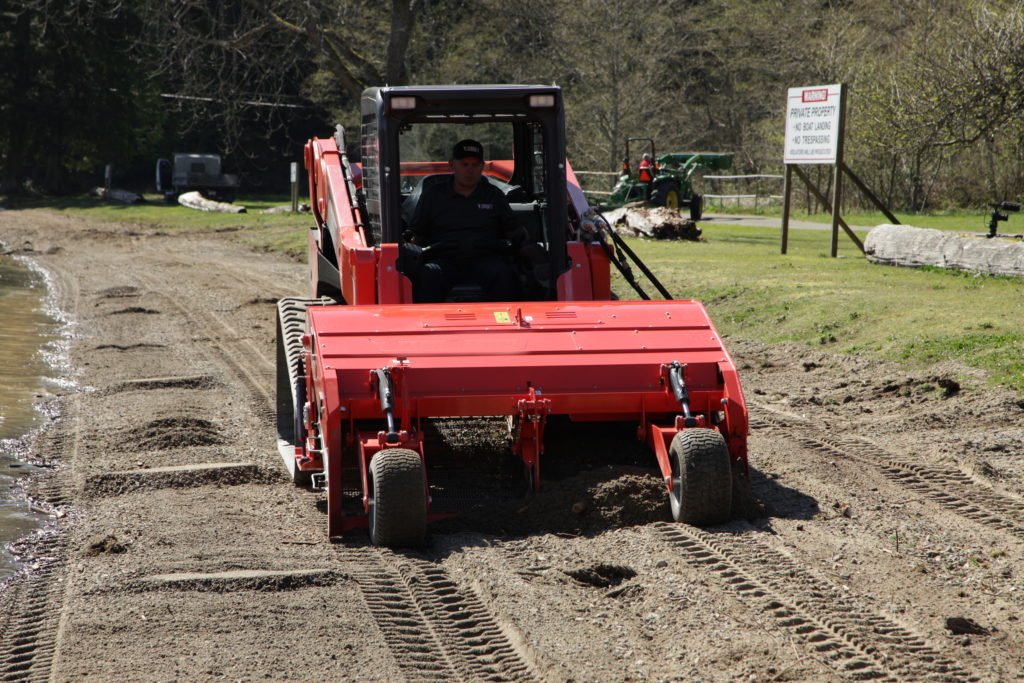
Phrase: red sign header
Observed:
(816, 95)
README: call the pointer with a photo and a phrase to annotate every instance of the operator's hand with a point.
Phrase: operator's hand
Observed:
(517, 237)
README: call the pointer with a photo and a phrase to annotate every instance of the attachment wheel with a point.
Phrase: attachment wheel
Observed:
(398, 506)
(701, 491)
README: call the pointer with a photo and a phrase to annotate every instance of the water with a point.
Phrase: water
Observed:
(29, 351)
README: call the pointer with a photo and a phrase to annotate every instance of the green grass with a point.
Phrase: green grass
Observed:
(915, 316)
(263, 232)
(957, 221)
(846, 305)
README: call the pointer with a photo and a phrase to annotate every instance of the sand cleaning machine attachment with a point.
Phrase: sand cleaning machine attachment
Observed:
(362, 366)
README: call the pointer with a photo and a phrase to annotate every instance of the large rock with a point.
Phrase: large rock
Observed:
(904, 245)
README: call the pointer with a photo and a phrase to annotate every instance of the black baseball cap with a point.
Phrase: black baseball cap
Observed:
(468, 148)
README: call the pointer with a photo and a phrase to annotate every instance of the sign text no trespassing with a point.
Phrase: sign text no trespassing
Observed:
(812, 124)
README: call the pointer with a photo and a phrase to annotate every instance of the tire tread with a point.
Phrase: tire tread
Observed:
(705, 496)
(399, 512)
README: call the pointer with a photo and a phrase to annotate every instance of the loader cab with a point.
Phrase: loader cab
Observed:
(407, 134)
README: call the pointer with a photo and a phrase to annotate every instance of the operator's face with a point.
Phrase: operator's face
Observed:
(467, 172)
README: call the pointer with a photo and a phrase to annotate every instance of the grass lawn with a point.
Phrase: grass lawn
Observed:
(264, 232)
(847, 304)
(958, 221)
(919, 316)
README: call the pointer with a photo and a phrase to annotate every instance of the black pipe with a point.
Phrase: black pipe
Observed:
(385, 394)
(678, 383)
(621, 244)
(623, 267)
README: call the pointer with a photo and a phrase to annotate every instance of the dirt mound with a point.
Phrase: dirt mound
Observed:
(130, 347)
(104, 543)
(196, 382)
(122, 292)
(210, 474)
(604, 498)
(631, 499)
(175, 432)
(134, 309)
(261, 301)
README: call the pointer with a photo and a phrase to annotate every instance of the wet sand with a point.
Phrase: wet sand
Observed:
(27, 336)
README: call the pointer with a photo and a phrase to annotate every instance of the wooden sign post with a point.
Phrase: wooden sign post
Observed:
(815, 134)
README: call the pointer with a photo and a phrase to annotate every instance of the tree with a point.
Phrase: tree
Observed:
(956, 89)
(242, 54)
(73, 98)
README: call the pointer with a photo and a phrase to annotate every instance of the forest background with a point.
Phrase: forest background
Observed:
(936, 86)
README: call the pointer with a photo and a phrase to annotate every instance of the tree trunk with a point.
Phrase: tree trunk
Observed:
(403, 16)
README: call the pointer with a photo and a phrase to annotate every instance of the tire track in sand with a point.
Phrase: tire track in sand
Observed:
(228, 348)
(947, 486)
(434, 629)
(854, 642)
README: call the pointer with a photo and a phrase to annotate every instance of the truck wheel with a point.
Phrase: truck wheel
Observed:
(398, 507)
(696, 207)
(666, 193)
(701, 478)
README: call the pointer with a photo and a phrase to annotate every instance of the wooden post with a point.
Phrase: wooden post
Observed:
(295, 186)
(823, 200)
(787, 188)
(837, 172)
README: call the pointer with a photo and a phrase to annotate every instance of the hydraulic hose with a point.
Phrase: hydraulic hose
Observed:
(623, 265)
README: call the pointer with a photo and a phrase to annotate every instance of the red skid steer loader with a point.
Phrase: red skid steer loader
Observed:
(361, 365)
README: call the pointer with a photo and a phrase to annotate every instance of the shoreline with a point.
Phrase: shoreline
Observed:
(55, 381)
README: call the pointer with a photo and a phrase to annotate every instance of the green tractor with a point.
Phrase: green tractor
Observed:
(671, 180)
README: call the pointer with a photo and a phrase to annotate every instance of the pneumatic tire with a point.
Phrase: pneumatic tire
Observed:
(398, 506)
(701, 492)
(666, 193)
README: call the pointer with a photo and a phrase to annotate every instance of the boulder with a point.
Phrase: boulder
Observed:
(904, 245)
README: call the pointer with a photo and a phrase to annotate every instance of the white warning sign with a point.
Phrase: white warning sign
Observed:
(812, 124)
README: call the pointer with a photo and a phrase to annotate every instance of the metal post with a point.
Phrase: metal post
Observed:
(837, 172)
(787, 189)
(108, 176)
(295, 186)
